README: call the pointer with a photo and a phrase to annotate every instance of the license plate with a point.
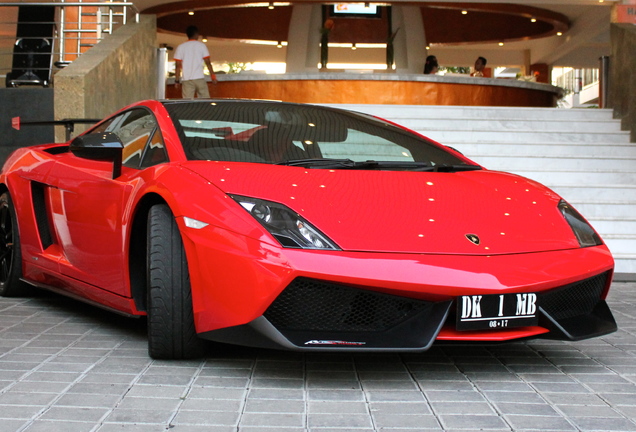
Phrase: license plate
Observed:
(479, 312)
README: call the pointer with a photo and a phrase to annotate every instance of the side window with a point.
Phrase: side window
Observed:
(155, 151)
(134, 133)
(134, 129)
(104, 126)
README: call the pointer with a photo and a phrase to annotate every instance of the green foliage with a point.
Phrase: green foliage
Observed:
(455, 69)
(235, 68)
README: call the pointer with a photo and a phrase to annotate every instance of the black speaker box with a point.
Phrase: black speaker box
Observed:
(33, 49)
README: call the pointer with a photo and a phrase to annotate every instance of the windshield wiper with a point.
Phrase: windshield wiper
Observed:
(350, 164)
(453, 168)
(327, 163)
(400, 165)
(319, 163)
(414, 166)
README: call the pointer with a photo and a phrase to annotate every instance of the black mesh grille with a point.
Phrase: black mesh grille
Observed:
(574, 300)
(308, 304)
(41, 217)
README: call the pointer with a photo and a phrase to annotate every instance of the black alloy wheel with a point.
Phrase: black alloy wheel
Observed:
(10, 253)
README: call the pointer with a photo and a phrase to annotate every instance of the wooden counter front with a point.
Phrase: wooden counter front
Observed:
(377, 89)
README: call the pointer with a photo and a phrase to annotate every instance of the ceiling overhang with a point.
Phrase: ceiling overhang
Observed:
(445, 23)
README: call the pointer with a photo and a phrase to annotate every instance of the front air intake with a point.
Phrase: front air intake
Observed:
(314, 305)
(575, 299)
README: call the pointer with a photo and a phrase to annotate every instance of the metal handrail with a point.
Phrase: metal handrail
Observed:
(105, 23)
(575, 80)
(77, 3)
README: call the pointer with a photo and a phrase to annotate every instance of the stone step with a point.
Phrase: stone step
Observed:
(529, 136)
(613, 226)
(470, 124)
(553, 149)
(621, 245)
(594, 193)
(527, 162)
(423, 111)
(617, 210)
(569, 177)
(512, 144)
(625, 263)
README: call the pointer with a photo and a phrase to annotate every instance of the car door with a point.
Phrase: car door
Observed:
(89, 206)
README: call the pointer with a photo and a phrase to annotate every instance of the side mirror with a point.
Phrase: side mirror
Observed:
(105, 146)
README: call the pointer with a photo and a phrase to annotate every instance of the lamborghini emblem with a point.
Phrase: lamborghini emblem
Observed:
(473, 238)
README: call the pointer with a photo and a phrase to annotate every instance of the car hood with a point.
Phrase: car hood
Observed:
(407, 212)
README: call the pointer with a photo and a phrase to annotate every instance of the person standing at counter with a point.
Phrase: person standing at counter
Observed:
(480, 65)
(431, 67)
(189, 57)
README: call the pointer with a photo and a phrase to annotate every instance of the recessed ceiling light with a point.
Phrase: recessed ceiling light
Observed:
(191, 12)
(533, 19)
(464, 12)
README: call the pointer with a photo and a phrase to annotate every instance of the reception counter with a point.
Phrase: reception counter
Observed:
(381, 88)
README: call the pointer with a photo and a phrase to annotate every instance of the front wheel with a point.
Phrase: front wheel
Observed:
(171, 332)
(10, 253)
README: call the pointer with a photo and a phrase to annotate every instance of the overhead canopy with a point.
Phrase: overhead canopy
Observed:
(444, 23)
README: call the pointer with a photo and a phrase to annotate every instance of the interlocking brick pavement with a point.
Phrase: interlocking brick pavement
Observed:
(66, 366)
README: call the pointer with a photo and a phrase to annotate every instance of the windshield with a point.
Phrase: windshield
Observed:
(299, 135)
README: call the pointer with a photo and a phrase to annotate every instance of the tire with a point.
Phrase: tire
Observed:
(9, 80)
(171, 332)
(10, 253)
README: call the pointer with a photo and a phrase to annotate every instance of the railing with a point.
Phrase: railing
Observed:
(576, 80)
(589, 76)
(83, 24)
(78, 25)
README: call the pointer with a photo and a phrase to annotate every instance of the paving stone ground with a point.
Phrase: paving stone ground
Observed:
(68, 367)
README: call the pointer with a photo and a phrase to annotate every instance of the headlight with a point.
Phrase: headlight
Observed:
(287, 226)
(584, 233)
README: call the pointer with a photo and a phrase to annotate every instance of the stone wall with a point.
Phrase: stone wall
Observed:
(120, 70)
(622, 76)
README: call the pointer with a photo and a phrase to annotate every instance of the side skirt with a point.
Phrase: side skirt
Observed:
(83, 292)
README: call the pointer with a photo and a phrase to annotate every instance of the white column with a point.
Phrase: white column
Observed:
(410, 42)
(303, 49)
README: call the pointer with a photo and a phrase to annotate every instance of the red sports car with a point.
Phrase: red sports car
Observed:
(293, 226)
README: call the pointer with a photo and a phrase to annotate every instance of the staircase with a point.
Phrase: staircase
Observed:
(579, 153)
(82, 27)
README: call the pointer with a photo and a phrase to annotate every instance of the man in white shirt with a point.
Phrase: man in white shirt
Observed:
(189, 58)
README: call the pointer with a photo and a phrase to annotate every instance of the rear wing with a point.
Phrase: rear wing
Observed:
(69, 124)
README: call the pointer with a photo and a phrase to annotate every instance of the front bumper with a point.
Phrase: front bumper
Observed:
(237, 283)
(312, 315)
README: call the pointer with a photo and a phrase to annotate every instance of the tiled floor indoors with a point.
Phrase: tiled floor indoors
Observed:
(68, 367)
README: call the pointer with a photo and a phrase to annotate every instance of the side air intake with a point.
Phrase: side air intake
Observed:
(38, 196)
